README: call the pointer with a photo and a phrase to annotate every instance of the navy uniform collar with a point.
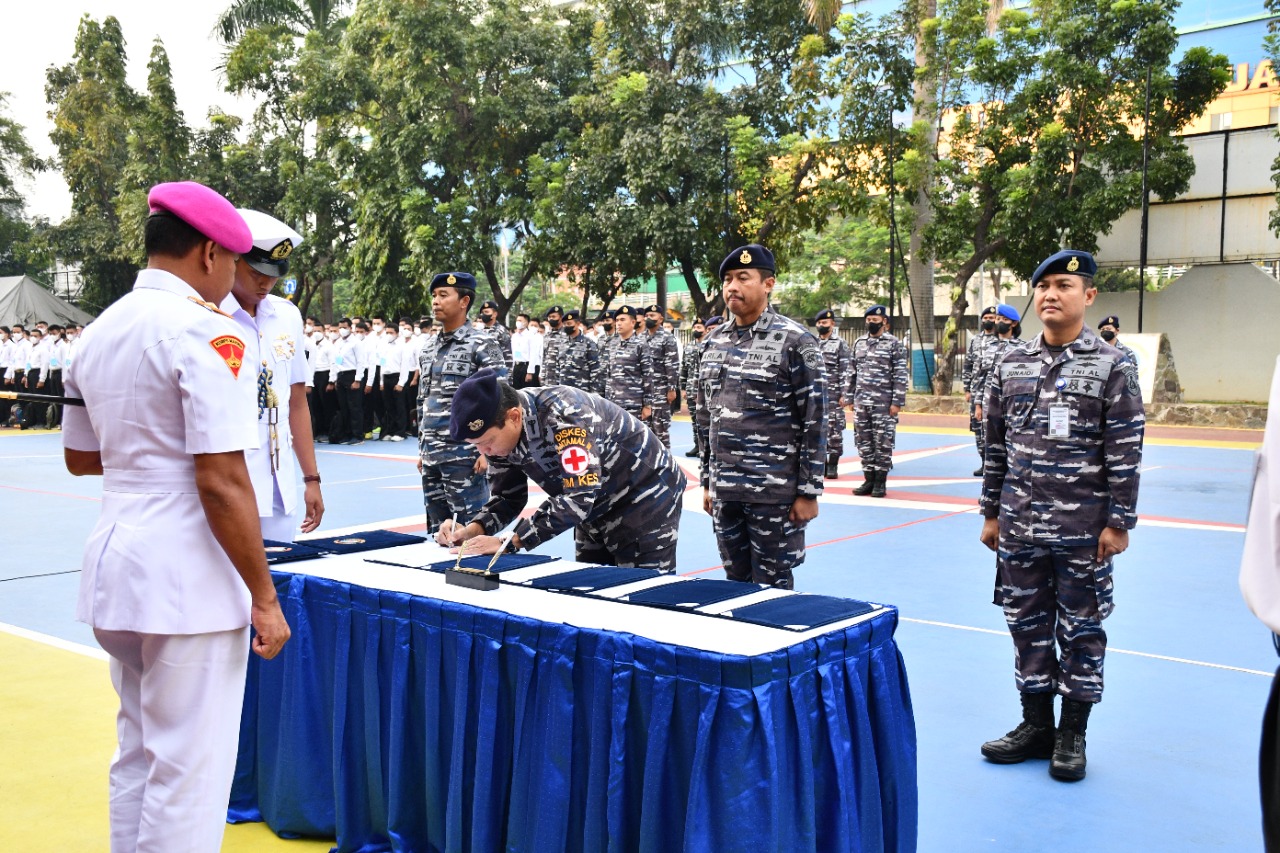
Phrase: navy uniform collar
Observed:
(1086, 341)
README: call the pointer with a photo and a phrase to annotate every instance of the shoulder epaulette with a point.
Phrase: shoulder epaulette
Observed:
(209, 305)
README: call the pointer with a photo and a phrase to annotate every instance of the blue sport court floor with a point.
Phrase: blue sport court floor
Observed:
(1172, 747)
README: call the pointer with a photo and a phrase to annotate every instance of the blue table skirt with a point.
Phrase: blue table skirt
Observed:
(395, 722)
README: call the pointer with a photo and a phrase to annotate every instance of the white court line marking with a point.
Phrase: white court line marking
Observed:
(41, 456)
(1110, 650)
(57, 642)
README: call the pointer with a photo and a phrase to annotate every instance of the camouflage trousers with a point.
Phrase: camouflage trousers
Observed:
(660, 422)
(835, 430)
(979, 431)
(758, 543)
(452, 487)
(874, 433)
(1055, 594)
(617, 544)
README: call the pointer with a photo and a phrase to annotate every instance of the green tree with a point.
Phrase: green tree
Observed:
(18, 245)
(296, 18)
(1037, 120)
(847, 262)
(453, 99)
(93, 108)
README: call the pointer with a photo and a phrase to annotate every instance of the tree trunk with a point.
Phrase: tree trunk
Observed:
(920, 263)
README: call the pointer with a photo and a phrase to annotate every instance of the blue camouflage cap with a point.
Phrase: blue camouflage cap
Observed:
(1069, 261)
(459, 280)
(877, 311)
(475, 404)
(1009, 313)
(750, 257)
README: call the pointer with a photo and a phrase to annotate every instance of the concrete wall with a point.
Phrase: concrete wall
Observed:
(1223, 322)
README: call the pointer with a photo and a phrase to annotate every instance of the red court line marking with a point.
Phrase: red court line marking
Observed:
(848, 538)
(52, 494)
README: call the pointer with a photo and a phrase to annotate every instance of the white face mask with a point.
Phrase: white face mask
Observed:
(333, 336)
(344, 332)
(377, 328)
(310, 328)
(520, 324)
(389, 335)
(406, 333)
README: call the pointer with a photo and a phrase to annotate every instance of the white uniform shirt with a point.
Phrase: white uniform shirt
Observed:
(408, 350)
(1260, 564)
(158, 374)
(526, 346)
(58, 355)
(38, 361)
(345, 357)
(273, 340)
(321, 354)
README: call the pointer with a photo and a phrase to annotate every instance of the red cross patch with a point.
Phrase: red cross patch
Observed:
(574, 460)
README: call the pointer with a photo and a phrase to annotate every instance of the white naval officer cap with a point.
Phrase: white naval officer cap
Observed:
(273, 242)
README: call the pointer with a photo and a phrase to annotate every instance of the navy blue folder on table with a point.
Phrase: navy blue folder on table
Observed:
(505, 563)
(801, 612)
(692, 593)
(289, 552)
(592, 579)
(367, 540)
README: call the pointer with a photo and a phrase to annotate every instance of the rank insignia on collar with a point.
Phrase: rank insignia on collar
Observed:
(1073, 265)
(231, 349)
(745, 257)
(475, 425)
(453, 279)
(282, 250)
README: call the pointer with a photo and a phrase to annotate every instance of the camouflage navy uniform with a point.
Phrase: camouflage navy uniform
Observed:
(665, 353)
(580, 364)
(988, 358)
(877, 380)
(502, 335)
(630, 384)
(762, 432)
(971, 357)
(449, 481)
(1054, 496)
(835, 359)
(1128, 353)
(552, 342)
(689, 380)
(606, 475)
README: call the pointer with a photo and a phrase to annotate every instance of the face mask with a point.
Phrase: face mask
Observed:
(333, 336)
(389, 335)
(487, 318)
(824, 330)
(873, 327)
(651, 324)
(406, 333)
(697, 335)
(608, 327)
(555, 324)
(988, 325)
(344, 332)
(377, 327)
(521, 324)
(1108, 335)
(1003, 328)
(310, 328)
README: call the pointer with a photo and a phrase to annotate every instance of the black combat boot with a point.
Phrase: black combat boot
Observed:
(1033, 738)
(833, 467)
(877, 491)
(1068, 745)
(868, 482)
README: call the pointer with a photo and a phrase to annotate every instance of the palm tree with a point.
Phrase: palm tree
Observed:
(299, 18)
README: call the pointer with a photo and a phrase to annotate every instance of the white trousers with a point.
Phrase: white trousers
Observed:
(281, 526)
(178, 730)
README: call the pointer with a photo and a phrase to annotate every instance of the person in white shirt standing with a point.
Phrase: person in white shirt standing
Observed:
(273, 332)
(526, 354)
(175, 572)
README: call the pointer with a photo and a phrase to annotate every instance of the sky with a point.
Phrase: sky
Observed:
(41, 33)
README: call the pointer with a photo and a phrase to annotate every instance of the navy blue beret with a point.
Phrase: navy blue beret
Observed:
(1110, 320)
(475, 404)
(1067, 261)
(459, 280)
(990, 309)
(713, 320)
(1009, 313)
(655, 307)
(555, 309)
(825, 314)
(877, 311)
(575, 314)
(626, 311)
(749, 257)
(489, 303)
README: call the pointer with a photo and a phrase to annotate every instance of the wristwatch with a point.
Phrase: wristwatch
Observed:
(311, 478)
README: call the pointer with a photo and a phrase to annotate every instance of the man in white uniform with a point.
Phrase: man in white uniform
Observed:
(272, 331)
(174, 572)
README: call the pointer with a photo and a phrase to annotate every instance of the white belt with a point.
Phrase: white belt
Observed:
(149, 482)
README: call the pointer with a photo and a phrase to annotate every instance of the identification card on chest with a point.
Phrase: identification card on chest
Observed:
(1059, 420)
